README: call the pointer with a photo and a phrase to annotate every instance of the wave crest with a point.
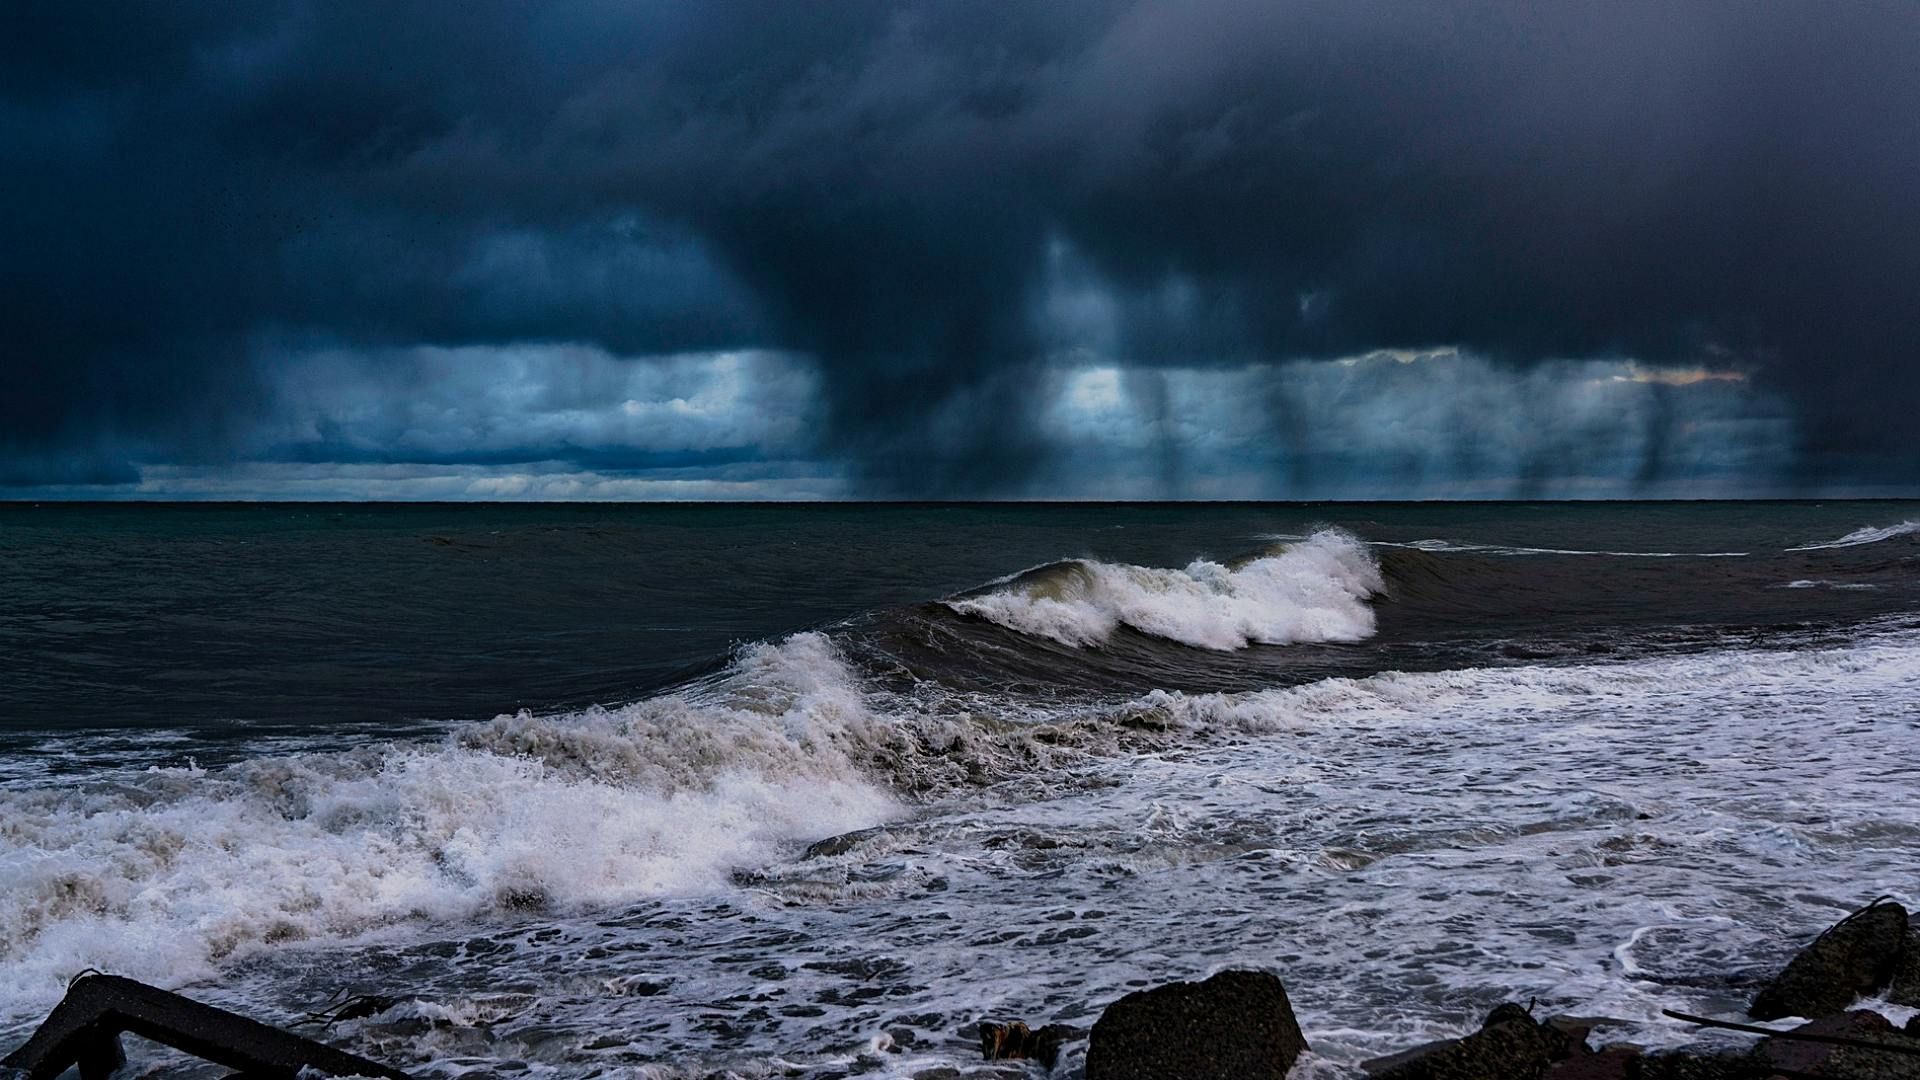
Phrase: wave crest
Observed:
(1311, 591)
(1869, 534)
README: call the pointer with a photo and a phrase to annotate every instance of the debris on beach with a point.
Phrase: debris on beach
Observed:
(85, 1029)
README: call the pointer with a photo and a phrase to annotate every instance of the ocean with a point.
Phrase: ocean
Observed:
(806, 791)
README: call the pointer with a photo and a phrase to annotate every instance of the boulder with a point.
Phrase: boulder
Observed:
(1780, 1055)
(1800, 1056)
(1688, 1066)
(1856, 956)
(1904, 987)
(1613, 1063)
(1237, 1025)
(1510, 1045)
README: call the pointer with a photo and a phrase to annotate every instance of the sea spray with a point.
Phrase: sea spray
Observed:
(162, 873)
(1313, 590)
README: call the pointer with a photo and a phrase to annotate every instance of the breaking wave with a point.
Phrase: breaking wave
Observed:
(161, 873)
(1871, 534)
(1310, 591)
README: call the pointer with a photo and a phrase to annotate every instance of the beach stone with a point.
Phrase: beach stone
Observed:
(1855, 1063)
(1856, 956)
(1904, 987)
(1237, 1025)
(1015, 1041)
(1510, 1045)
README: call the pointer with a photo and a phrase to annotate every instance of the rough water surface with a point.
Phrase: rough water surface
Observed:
(1611, 817)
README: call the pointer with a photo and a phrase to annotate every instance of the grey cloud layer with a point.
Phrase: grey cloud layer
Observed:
(887, 189)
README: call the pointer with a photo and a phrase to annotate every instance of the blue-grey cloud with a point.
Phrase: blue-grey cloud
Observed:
(935, 208)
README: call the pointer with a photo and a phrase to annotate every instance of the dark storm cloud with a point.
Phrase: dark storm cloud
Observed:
(880, 187)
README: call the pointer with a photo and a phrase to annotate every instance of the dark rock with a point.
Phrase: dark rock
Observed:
(840, 845)
(1686, 1066)
(1613, 1063)
(1904, 987)
(1389, 1062)
(1856, 956)
(1578, 1028)
(1237, 1025)
(1852, 1062)
(1510, 1045)
(1014, 1041)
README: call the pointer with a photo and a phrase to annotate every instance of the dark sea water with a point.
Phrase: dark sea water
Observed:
(548, 775)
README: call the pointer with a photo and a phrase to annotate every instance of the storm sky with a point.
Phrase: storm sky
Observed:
(1213, 249)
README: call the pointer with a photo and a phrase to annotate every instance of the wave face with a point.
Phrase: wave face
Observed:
(1312, 591)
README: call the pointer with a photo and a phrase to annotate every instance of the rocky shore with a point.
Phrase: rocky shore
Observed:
(1235, 1025)
(1240, 1025)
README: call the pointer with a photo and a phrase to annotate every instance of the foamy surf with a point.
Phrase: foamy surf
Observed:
(1313, 590)
(1610, 839)
(162, 874)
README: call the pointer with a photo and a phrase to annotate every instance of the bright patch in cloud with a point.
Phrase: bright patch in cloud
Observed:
(1677, 376)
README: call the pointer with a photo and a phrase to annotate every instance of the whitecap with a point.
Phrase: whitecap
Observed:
(1310, 591)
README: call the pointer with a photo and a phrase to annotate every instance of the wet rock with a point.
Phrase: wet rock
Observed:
(1780, 1056)
(1014, 1041)
(1852, 1062)
(1904, 987)
(1237, 1025)
(840, 845)
(1577, 1029)
(1389, 1062)
(1510, 1045)
(1613, 1063)
(1856, 956)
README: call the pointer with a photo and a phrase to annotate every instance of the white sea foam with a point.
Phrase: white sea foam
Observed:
(1405, 849)
(1811, 583)
(1871, 534)
(160, 874)
(1313, 590)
